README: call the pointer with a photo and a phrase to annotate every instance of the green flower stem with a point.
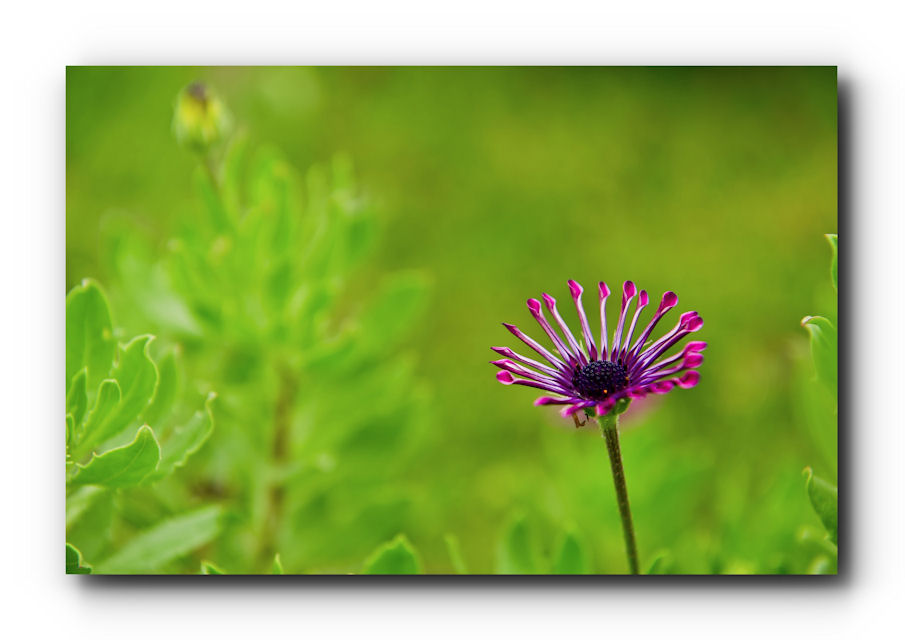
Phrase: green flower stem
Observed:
(609, 426)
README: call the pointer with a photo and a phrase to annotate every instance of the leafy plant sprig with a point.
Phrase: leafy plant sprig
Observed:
(265, 284)
(115, 393)
(823, 494)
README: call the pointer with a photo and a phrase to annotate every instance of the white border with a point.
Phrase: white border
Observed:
(862, 38)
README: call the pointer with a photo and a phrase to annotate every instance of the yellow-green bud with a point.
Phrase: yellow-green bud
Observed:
(200, 119)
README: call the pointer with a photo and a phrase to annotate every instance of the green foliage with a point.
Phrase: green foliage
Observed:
(454, 549)
(571, 557)
(823, 495)
(394, 557)
(210, 569)
(183, 441)
(124, 466)
(152, 550)
(833, 239)
(74, 561)
(516, 552)
(77, 397)
(263, 272)
(824, 498)
(319, 388)
(659, 564)
(89, 334)
(99, 463)
(824, 349)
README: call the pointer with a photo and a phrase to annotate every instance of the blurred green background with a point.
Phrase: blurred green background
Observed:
(494, 185)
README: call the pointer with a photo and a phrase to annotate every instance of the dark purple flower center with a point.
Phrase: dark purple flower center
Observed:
(600, 379)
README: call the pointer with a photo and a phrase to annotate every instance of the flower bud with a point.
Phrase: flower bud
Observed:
(200, 119)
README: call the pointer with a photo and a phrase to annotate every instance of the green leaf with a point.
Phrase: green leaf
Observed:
(79, 501)
(394, 557)
(824, 349)
(166, 396)
(571, 557)
(822, 565)
(108, 397)
(125, 466)
(74, 561)
(70, 433)
(277, 568)
(825, 500)
(152, 550)
(210, 569)
(89, 515)
(455, 554)
(77, 398)
(185, 441)
(659, 564)
(136, 375)
(516, 553)
(89, 334)
(833, 239)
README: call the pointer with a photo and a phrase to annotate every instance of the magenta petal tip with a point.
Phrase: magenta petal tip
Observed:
(696, 346)
(604, 290)
(692, 360)
(628, 289)
(505, 377)
(668, 301)
(695, 324)
(690, 379)
(534, 305)
(575, 289)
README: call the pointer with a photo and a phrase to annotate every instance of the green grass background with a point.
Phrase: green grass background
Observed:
(500, 184)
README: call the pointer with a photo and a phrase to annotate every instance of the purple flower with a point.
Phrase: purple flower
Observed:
(586, 374)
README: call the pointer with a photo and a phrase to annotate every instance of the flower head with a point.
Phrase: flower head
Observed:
(588, 375)
(200, 119)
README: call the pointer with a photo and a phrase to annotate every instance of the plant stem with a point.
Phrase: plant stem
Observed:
(609, 425)
(279, 456)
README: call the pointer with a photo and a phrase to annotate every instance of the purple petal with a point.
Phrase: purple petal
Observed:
(667, 302)
(691, 349)
(510, 366)
(507, 378)
(576, 291)
(695, 346)
(509, 353)
(642, 302)
(601, 408)
(534, 307)
(690, 361)
(550, 301)
(665, 386)
(690, 379)
(575, 408)
(688, 323)
(556, 362)
(628, 292)
(546, 400)
(604, 338)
